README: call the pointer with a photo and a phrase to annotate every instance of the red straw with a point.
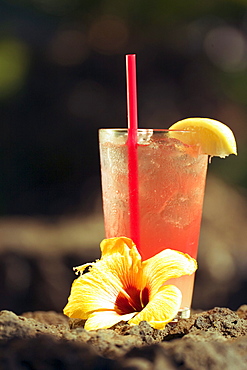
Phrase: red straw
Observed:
(132, 148)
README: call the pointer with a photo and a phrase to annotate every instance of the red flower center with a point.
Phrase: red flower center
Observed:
(134, 300)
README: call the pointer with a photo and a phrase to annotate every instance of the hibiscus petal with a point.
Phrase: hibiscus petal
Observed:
(74, 308)
(115, 273)
(166, 265)
(95, 290)
(105, 319)
(112, 245)
(123, 260)
(161, 309)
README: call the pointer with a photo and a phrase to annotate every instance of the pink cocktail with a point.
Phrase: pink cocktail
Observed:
(171, 182)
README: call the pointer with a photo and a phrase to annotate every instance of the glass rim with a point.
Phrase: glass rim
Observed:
(125, 130)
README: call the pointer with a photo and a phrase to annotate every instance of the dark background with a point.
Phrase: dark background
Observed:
(62, 77)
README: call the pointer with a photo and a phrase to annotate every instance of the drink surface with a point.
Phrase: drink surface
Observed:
(171, 179)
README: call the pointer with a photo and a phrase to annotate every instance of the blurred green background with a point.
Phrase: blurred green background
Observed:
(62, 77)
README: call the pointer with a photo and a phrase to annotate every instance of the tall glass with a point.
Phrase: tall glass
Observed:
(171, 182)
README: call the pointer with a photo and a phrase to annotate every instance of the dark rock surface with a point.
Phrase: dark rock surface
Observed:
(36, 261)
(214, 339)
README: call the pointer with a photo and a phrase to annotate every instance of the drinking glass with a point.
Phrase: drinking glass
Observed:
(171, 181)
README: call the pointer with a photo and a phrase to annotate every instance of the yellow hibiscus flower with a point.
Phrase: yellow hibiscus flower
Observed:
(122, 287)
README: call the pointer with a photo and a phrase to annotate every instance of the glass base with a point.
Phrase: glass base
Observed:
(183, 313)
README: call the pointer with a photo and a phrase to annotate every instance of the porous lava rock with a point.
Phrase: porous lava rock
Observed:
(214, 339)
